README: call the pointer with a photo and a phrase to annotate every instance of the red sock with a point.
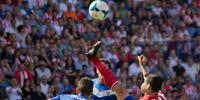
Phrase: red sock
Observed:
(109, 77)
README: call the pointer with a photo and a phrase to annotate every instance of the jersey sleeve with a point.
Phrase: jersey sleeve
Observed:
(8, 88)
(129, 98)
(67, 97)
(55, 98)
(61, 97)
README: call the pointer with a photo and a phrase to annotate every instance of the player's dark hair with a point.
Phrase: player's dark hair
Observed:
(106, 62)
(85, 86)
(155, 81)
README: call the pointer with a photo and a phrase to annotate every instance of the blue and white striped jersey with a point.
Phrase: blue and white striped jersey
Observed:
(69, 97)
(102, 91)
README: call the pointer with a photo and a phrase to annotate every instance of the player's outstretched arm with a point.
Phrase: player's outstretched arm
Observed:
(142, 62)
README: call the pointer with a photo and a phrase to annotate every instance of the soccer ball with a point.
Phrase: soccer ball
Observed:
(99, 9)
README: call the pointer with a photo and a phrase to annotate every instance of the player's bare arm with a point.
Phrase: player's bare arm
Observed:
(121, 92)
(142, 62)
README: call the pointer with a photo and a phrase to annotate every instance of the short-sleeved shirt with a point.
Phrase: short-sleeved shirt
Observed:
(13, 95)
(102, 91)
(158, 96)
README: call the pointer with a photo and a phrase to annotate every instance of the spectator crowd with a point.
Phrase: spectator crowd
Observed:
(43, 45)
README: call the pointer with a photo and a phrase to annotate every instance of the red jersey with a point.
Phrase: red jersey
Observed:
(158, 96)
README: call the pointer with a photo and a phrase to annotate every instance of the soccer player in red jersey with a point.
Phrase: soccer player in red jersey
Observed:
(152, 83)
(151, 86)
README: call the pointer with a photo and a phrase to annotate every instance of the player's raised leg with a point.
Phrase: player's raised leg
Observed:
(109, 77)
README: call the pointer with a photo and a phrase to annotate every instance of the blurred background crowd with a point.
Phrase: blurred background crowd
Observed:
(43, 45)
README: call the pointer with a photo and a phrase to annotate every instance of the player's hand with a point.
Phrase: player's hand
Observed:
(142, 60)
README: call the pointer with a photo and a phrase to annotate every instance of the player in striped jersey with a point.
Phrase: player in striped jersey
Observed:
(100, 90)
(85, 87)
(109, 78)
(151, 86)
